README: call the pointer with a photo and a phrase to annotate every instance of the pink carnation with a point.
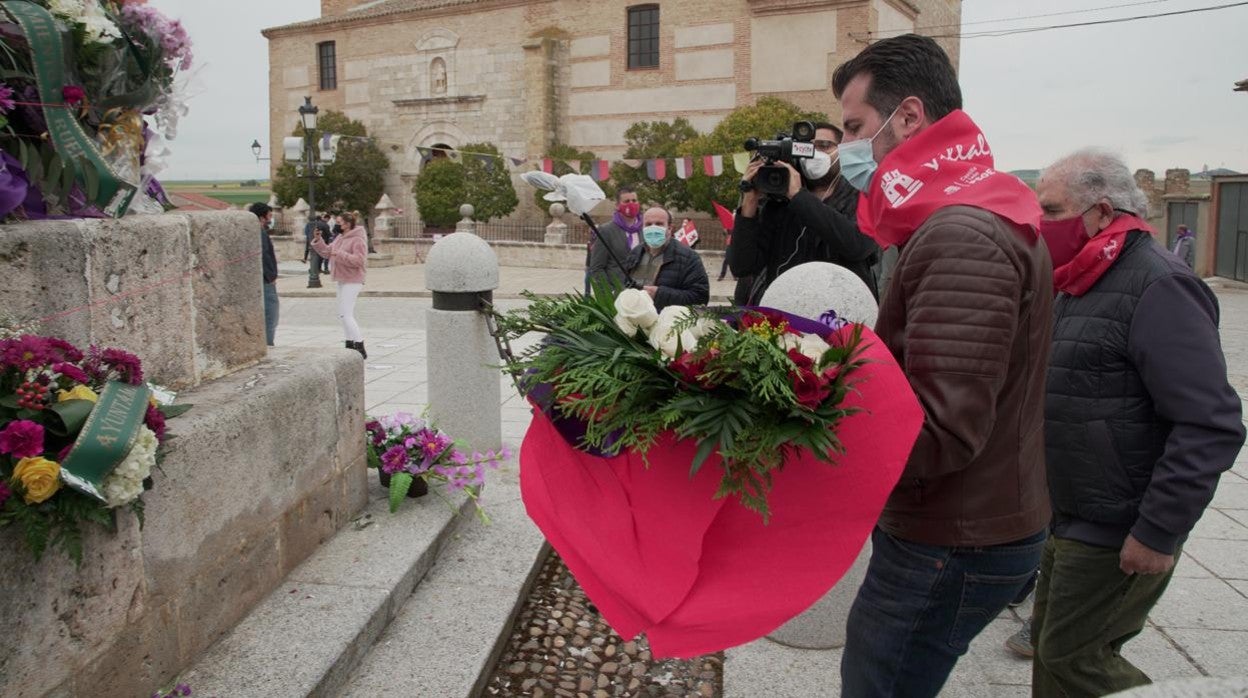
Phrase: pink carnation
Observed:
(21, 439)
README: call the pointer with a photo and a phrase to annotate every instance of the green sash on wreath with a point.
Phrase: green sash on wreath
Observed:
(106, 438)
(47, 44)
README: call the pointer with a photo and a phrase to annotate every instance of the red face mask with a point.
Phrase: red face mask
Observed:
(1064, 238)
(629, 210)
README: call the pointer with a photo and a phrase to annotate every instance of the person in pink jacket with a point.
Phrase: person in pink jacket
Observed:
(348, 261)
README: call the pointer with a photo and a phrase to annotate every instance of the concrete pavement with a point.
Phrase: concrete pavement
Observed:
(1200, 627)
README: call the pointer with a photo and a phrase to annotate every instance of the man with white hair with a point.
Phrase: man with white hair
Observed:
(1140, 422)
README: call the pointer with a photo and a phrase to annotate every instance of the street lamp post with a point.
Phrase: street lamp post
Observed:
(311, 168)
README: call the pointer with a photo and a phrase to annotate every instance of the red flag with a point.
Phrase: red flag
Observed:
(713, 165)
(656, 169)
(725, 216)
(548, 166)
(600, 170)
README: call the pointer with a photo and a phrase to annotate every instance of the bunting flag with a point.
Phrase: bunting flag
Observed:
(713, 165)
(600, 170)
(726, 218)
(518, 161)
(454, 155)
(548, 165)
(740, 161)
(426, 154)
(656, 169)
(632, 163)
(684, 167)
(487, 160)
(574, 164)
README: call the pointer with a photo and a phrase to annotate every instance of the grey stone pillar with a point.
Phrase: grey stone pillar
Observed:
(557, 231)
(466, 224)
(809, 290)
(465, 391)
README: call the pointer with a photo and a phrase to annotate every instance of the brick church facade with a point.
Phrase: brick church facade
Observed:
(526, 74)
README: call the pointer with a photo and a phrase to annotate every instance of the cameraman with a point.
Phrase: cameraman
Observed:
(816, 221)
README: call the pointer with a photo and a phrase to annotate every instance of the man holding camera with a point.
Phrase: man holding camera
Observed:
(812, 220)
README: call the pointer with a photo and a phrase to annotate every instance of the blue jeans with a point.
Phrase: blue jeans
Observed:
(919, 608)
(270, 312)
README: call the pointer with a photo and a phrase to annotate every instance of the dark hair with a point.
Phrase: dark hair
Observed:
(260, 208)
(904, 66)
(348, 218)
(625, 189)
(840, 135)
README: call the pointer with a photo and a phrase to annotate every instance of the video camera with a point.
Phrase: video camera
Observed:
(772, 179)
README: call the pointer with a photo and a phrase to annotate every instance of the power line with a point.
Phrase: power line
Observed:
(1028, 30)
(898, 32)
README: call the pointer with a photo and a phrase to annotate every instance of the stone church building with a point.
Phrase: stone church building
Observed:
(526, 74)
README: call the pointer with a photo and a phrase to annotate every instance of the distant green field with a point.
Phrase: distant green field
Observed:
(209, 184)
(236, 197)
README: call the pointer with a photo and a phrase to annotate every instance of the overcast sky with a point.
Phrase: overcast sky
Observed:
(1156, 90)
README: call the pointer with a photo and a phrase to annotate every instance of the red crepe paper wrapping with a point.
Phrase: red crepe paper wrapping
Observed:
(657, 554)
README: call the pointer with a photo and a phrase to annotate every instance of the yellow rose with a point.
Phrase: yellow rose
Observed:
(40, 478)
(80, 392)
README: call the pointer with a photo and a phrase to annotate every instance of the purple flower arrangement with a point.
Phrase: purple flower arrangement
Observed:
(405, 447)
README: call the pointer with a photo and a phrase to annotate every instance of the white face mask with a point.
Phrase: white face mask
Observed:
(817, 167)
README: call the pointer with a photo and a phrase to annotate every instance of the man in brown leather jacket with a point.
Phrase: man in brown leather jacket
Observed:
(967, 315)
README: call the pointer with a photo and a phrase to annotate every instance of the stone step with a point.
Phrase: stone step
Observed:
(311, 632)
(453, 628)
(376, 259)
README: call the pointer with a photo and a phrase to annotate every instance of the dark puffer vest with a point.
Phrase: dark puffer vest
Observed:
(1116, 382)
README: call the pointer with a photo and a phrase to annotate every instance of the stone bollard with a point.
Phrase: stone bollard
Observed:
(465, 391)
(809, 290)
(466, 224)
(557, 231)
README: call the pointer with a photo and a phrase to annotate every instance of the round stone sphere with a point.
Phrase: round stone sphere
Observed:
(461, 263)
(557, 210)
(466, 210)
(811, 289)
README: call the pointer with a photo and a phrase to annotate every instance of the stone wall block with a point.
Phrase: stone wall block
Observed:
(44, 264)
(228, 298)
(140, 290)
(48, 624)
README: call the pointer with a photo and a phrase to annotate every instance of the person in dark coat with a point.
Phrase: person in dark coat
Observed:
(815, 222)
(268, 265)
(670, 272)
(1140, 423)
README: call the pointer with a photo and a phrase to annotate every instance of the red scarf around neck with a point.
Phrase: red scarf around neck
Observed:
(947, 164)
(1097, 255)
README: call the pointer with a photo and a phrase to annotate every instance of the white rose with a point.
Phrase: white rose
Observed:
(637, 307)
(125, 483)
(663, 335)
(813, 347)
(626, 326)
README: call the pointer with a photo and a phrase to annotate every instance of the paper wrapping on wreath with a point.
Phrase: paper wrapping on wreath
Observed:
(580, 191)
(658, 554)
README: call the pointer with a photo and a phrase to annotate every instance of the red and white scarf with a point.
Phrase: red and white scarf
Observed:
(948, 164)
(1097, 255)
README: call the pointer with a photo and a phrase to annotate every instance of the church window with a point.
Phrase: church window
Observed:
(643, 36)
(326, 57)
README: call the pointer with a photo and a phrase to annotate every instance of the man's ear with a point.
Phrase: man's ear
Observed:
(911, 116)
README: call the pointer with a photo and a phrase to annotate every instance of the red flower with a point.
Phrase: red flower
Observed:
(810, 388)
(155, 420)
(72, 94)
(22, 439)
(690, 367)
(803, 362)
(751, 318)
